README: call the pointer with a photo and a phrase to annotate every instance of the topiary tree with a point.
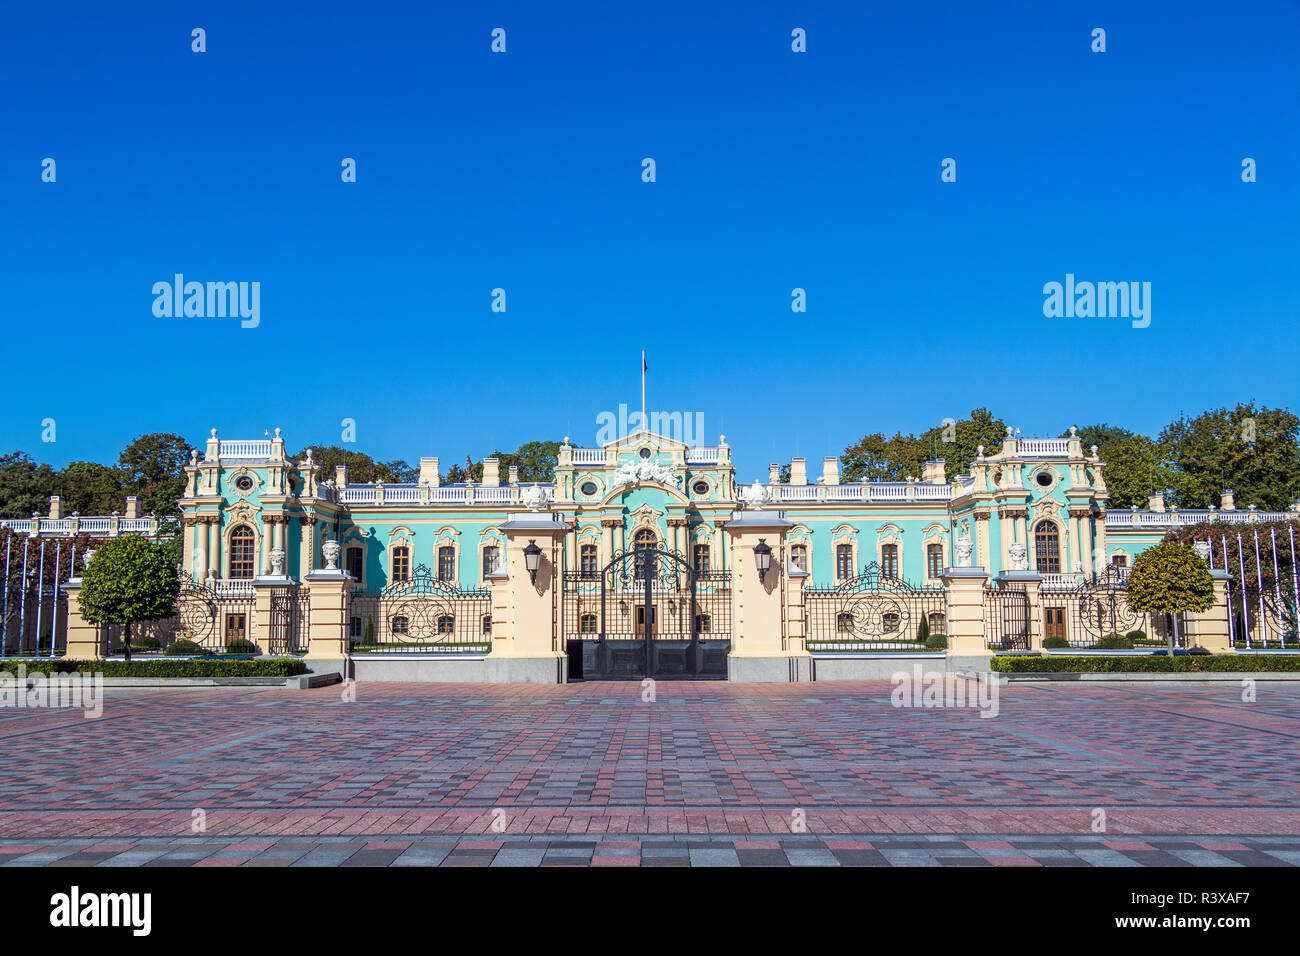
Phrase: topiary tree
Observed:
(129, 580)
(368, 635)
(922, 631)
(1170, 579)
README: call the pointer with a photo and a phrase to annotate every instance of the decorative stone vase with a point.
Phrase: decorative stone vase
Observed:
(277, 562)
(532, 497)
(964, 549)
(1202, 549)
(330, 549)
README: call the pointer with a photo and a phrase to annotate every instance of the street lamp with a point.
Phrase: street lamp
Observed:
(763, 556)
(532, 559)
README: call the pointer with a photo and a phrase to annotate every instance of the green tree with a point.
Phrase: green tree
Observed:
(877, 458)
(957, 443)
(25, 486)
(1100, 435)
(90, 488)
(1252, 450)
(536, 460)
(130, 579)
(1170, 579)
(155, 464)
(362, 469)
(1134, 470)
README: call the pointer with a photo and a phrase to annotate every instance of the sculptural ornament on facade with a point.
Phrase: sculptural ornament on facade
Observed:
(964, 549)
(635, 471)
(754, 496)
(532, 497)
(330, 551)
(277, 562)
(1018, 553)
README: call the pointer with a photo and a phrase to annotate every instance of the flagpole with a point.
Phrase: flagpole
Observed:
(644, 425)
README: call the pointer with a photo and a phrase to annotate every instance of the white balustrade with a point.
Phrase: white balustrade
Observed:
(244, 449)
(702, 456)
(1046, 447)
(589, 456)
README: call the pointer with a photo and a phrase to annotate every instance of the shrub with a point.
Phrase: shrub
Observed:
(1115, 642)
(1162, 663)
(241, 646)
(936, 642)
(129, 581)
(148, 643)
(1136, 636)
(183, 648)
(214, 667)
(1055, 643)
(923, 631)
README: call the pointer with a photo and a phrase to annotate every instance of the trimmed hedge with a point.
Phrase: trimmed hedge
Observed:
(1115, 642)
(183, 648)
(209, 667)
(1159, 663)
(936, 642)
(1056, 643)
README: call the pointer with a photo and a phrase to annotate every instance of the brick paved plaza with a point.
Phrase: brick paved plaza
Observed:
(708, 774)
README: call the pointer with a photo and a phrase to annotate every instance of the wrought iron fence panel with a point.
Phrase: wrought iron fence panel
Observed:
(873, 611)
(1006, 618)
(1087, 614)
(290, 620)
(1263, 617)
(422, 615)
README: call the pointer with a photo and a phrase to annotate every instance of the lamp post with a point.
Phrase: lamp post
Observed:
(763, 557)
(532, 559)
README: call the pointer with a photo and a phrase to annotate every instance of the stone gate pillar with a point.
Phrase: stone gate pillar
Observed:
(761, 649)
(964, 618)
(526, 643)
(83, 637)
(1208, 628)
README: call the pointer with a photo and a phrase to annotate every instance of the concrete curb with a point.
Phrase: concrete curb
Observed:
(298, 682)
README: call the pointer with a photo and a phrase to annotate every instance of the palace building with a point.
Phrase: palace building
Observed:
(646, 558)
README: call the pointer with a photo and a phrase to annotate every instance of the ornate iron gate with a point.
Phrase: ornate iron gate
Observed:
(209, 615)
(420, 615)
(648, 613)
(1006, 618)
(290, 621)
(873, 611)
(1085, 614)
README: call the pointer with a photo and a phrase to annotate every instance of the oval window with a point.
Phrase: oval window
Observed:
(700, 487)
(1044, 478)
(244, 483)
(645, 452)
(588, 487)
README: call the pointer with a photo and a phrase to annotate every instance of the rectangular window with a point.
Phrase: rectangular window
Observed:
(701, 559)
(490, 555)
(843, 561)
(889, 560)
(589, 559)
(446, 563)
(401, 564)
(353, 564)
(1119, 560)
(799, 556)
(934, 560)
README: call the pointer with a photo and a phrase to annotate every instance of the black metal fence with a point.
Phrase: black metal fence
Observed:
(873, 611)
(34, 574)
(1093, 611)
(290, 631)
(420, 615)
(1007, 618)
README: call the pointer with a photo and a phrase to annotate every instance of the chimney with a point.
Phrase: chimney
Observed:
(429, 472)
(1227, 500)
(830, 471)
(798, 472)
(132, 507)
(1156, 502)
(932, 472)
(491, 472)
(341, 475)
(513, 475)
(774, 474)
(56, 506)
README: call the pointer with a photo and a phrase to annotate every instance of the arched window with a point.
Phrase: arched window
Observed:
(446, 624)
(701, 559)
(1047, 548)
(933, 560)
(446, 563)
(589, 566)
(487, 625)
(843, 562)
(890, 621)
(643, 541)
(241, 552)
(401, 625)
(844, 622)
(889, 560)
(937, 622)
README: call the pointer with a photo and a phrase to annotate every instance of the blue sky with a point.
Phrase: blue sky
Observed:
(522, 171)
